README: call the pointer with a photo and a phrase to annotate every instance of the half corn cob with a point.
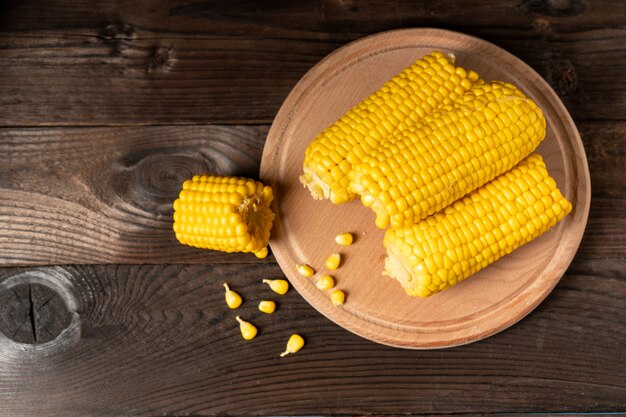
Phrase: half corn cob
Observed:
(422, 170)
(224, 213)
(429, 83)
(475, 231)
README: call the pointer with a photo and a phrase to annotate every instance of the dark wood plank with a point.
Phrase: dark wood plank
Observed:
(175, 62)
(159, 340)
(104, 195)
(92, 195)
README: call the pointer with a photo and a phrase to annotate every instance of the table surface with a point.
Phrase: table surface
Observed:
(106, 107)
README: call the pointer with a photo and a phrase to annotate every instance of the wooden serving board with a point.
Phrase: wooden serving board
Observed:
(376, 306)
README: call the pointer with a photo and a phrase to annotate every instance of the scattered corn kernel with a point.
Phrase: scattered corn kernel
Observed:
(294, 344)
(267, 307)
(333, 261)
(305, 270)
(232, 298)
(248, 331)
(325, 283)
(279, 286)
(262, 253)
(338, 297)
(344, 239)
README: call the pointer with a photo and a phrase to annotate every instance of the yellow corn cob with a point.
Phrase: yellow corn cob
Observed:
(429, 83)
(492, 221)
(224, 213)
(422, 170)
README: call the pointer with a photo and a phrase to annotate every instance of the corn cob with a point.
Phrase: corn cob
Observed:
(228, 214)
(422, 170)
(430, 82)
(492, 221)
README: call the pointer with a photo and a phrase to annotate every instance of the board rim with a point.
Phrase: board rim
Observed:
(350, 319)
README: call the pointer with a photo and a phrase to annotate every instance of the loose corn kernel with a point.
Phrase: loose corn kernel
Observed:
(305, 270)
(248, 331)
(482, 227)
(344, 239)
(333, 261)
(337, 297)
(294, 344)
(262, 253)
(233, 300)
(325, 283)
(279, 286)
(267, 307)
(399, 105)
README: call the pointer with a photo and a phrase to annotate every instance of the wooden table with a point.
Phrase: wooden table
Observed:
(106, 107)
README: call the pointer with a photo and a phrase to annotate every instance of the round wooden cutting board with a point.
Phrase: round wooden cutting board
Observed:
(376, 306)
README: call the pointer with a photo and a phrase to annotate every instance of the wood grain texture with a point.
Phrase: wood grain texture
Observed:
(89, 195)
(159, 340)
(74, 63)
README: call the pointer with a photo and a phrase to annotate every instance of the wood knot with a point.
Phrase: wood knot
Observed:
(32, 313)
(151, 180)
(160, 59)
(563, 78)
(541, 24)
(555, 8)
(118, 30)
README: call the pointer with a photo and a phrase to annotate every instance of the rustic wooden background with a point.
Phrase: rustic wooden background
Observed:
(106, 106)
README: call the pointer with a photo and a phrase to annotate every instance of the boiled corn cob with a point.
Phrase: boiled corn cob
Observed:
(224, 213)
(492, 221)
(430, 82)
(422, 170)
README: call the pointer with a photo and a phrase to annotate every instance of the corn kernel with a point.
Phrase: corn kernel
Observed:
(279, 286)
(325, 283)
(337, 297)
(267, 307)
(344, 239)
(248, 330)
(333, 261)
(262, 253)
(294, 344)
(233, 300)
(305, 270)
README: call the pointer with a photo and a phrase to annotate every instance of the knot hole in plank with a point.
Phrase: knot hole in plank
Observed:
(32, 313)
(150, 180)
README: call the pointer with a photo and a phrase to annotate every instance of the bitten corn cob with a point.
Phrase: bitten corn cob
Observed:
(224, 213)
(430, 82)
(422, 170)
(475, 231)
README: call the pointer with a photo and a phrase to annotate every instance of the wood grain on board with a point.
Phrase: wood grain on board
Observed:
(175, 62)
(160, 340)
